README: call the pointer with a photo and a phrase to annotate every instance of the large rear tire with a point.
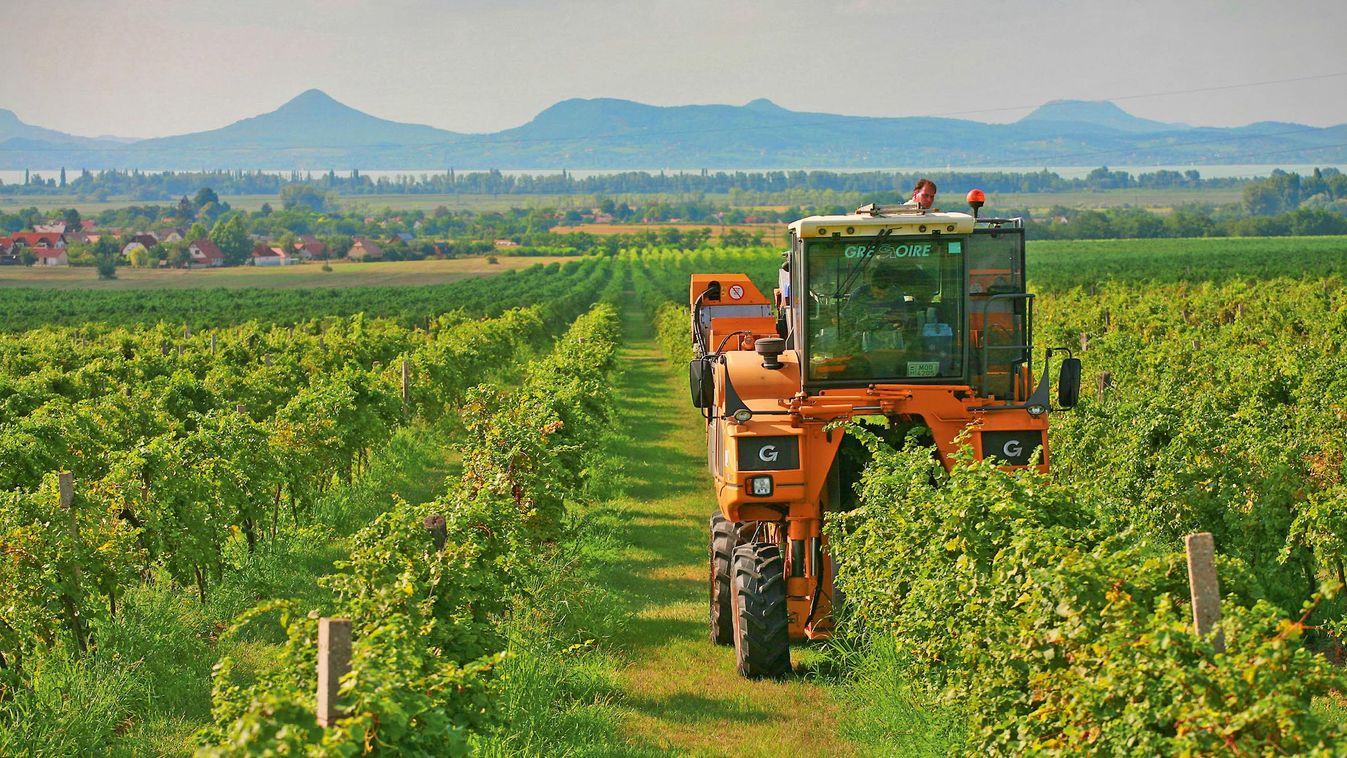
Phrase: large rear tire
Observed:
(761, 625)
(723, 539)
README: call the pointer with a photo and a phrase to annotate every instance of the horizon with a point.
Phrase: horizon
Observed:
(309, 94)
(421, 63)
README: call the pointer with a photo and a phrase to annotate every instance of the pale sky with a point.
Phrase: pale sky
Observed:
(144, 68)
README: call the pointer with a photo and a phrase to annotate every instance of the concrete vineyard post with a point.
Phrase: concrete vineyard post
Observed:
(334, 661)
(406, 383)
(66, 494)
(212, 344)
(1205, 587)
(1084, 342)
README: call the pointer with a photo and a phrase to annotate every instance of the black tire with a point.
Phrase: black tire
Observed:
(723, 539)
(761, 626)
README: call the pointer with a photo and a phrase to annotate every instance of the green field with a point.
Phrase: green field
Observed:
(995, 613)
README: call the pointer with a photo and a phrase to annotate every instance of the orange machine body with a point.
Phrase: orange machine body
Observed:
(773, 424)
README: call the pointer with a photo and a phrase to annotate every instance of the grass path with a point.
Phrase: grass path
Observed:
(680, 693)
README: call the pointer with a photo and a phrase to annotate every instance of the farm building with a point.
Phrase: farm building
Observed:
(263, 255)
(205, 254)
(363, 250)
(51, 257)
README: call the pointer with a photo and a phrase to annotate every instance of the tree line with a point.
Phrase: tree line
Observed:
(166, 185)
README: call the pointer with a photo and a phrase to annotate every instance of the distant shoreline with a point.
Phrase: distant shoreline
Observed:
(1212, 171)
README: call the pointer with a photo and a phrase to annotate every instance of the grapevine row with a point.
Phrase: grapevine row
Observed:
(425, 618)
(1053, 611)
(205, 448)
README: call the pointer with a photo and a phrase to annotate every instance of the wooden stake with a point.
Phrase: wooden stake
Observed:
(1205, 587)
(212, 343)
(439, 531)
(1104, 384)
(1084, 342)
(334, 662)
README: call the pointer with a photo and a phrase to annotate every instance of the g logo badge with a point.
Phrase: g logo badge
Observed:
(767, 454)
(1013, 449)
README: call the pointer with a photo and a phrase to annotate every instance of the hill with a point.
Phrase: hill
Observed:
(315, 132)
(1099, 113)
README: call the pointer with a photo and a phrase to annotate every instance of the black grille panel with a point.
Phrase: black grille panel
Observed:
(768, 453)
(1014, 447)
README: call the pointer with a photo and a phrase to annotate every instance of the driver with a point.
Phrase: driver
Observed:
(883, 299)
(878, 309)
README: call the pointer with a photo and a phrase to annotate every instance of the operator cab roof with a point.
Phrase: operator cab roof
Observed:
(868, 220)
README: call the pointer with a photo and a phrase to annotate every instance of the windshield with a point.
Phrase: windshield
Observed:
(885, 309)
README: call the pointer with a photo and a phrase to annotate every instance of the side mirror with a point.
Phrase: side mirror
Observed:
(1068, 383)
(701, 381)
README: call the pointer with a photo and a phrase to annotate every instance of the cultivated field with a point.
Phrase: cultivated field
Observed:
(768, 231)
(503, 486)
(343, 274)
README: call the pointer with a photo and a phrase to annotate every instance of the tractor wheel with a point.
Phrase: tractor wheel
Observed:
(761, 627)
(723, 539)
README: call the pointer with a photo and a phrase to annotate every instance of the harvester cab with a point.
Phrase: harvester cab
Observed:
(918, 316)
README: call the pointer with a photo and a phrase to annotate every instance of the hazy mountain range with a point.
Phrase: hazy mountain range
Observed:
(315, 132)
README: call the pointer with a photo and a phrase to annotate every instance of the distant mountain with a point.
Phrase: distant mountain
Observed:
(12, 128)
(315, 132)
(312, 119)
(1095, 113)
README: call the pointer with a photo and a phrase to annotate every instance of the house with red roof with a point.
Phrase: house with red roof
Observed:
(264, 255)
(309, 247)
(364, 250)
(38, 240)
(205, 254)
(49, 256)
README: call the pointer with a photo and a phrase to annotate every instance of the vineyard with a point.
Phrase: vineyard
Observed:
(186, 491)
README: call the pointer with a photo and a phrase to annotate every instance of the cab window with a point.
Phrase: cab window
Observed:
(887, 311)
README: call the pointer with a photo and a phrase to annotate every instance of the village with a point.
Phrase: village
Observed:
(59, 244)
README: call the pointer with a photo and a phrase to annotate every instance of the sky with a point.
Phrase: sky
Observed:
(147, 68)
